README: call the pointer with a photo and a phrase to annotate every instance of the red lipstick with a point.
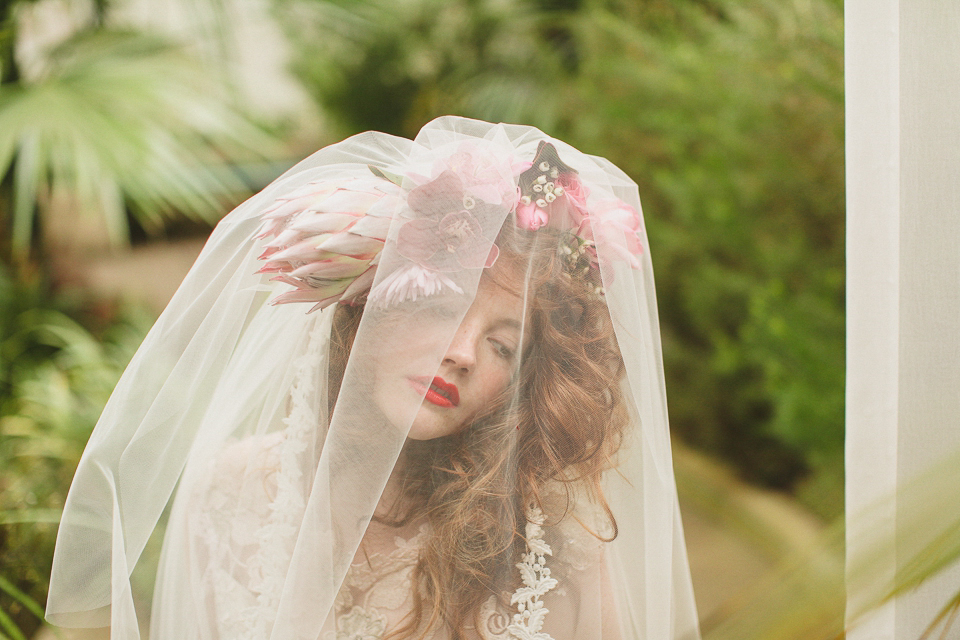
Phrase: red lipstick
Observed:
(439, 392)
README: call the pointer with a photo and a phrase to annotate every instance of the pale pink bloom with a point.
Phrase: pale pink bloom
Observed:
(486, 174)
(531, 217)
(410, 283)
(447, 234)
(325, 238)
(616, 227)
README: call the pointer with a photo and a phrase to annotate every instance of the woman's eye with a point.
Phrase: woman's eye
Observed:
(502, 349)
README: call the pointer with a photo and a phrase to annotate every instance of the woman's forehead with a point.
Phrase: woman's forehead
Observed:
(508, 274)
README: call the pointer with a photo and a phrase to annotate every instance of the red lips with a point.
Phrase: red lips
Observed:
(439, 392)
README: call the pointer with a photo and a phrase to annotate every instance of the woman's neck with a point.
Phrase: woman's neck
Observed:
(390, 506)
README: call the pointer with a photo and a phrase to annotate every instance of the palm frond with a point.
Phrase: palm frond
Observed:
(122, 118)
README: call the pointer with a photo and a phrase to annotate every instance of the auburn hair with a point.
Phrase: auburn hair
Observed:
(559, 423)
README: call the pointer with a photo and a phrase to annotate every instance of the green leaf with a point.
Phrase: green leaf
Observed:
(7, 623)
(11, 590)
(122, 118)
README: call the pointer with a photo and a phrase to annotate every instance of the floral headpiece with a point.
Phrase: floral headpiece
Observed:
(326, 238)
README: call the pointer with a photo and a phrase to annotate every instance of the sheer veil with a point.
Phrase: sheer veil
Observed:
(263, 424)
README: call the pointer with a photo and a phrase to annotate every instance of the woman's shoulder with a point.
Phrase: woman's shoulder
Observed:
(576, 525)
(244, 470)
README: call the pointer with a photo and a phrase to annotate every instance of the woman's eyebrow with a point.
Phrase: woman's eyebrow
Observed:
(509, 323)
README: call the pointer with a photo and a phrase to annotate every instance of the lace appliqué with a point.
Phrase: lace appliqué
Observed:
(361, 624)
(528, 621)
(249, 521)
(383, 580)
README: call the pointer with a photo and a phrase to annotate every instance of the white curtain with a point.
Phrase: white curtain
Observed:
(903, 297)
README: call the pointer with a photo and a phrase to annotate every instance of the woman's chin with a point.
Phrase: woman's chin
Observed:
(429, 426)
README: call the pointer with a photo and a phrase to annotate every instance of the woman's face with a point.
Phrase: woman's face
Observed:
(475, 368)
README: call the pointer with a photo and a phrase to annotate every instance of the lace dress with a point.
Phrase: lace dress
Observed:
(242, 533)
(377, 592)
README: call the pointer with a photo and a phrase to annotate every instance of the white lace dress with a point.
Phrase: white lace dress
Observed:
(377, 592)
(241, 535)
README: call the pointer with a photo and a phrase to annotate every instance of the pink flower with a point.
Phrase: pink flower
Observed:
(616, 227)
(550, 193)
(326, 237)
(409, 283)
(485, 174)
(575, 196)
(531, 217)
(448, 235)
(455, 241)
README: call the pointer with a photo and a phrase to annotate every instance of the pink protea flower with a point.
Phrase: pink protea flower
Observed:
(327, 237)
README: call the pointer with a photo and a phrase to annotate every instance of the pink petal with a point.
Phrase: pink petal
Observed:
(440, 196)
(343, 201)
(323, 222)
(339, 267)
(304, 250)
(294, 296)
(285, 208)
(418, 240)
(531, 217)
(293, 282)
(275, 267)
(475, 254)
(386, 207)
(285, 239)
(360, 285)
(492, 256)
(372, 227)
(323, 304)
(352, 245)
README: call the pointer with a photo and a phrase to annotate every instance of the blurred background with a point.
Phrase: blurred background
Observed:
(129, 127)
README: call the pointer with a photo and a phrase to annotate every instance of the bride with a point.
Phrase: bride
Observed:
(411, 390)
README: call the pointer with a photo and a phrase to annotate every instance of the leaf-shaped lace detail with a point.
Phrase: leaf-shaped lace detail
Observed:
(361, 624)
(268, 565)
(528, 621)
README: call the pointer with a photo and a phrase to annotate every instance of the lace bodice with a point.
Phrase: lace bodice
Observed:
(377, 592)
(243, 535)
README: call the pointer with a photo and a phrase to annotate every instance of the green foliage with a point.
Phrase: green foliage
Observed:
(56, 376)
(819, 592)
(732, 123)
(391, 66)
(116, 120)
(729, 114)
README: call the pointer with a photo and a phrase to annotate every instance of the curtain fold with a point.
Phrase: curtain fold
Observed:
(903, 296)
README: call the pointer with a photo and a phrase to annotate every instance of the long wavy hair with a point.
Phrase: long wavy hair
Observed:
(559, 423)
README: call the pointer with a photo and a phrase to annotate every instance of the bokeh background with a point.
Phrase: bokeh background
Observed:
(128, 127)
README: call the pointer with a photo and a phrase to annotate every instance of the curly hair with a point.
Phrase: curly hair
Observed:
(561, 422)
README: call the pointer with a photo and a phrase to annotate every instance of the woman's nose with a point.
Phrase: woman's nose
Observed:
(462, 352)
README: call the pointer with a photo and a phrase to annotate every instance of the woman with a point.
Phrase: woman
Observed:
(466, 438)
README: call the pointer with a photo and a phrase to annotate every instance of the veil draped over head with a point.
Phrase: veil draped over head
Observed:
(412, 389)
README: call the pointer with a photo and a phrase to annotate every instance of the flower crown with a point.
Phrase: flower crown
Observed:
(325, 239)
